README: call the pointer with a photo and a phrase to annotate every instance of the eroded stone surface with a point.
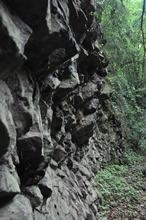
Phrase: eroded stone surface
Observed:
(56, 126)
(17, 208)
(7, 127)
(14, 36)
(34, 195)
(8, 183)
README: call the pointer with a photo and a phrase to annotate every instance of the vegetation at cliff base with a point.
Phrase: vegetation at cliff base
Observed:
(123, 188)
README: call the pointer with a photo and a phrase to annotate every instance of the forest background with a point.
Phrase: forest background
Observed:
(124, 26)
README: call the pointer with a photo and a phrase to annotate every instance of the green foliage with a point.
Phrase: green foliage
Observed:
(131, 158)
(129, 105)
(127, 70)
(113, 186)
(121, 28)
(122, 184)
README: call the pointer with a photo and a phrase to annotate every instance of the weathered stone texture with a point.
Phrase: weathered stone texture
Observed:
(13, 38)
(56, 126)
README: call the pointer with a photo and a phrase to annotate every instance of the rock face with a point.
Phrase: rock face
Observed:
(56, 126)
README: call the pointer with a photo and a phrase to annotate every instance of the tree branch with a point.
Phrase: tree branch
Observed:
(143, 11)
(141, 28)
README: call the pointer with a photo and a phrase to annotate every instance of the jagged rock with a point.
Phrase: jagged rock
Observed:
(57, 121)
(30, 146)
(34, 195)
(55, 29)
(89, 41)
(82, 132)
(48, 148)
(22, 92)
(9, 186)
(67, 85)
(56, 127)
(7, 127)
(59, 153)
(88, 90)
(84, 171)
(32, 8)
(4, 138)
(77, 15)
(46, 184)
(71, 82)
(18, 208)
(77, 99)
(91, 106)
(39, 215)
(53, 164)
(12, 42)
(31, 154)
(70, 121)
(52, 81)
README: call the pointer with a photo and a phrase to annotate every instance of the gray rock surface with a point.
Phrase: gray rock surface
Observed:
(57, 128)
(17, 208)
(14, 36)
(8, 183)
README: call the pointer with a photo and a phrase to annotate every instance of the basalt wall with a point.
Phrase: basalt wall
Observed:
(56, 126)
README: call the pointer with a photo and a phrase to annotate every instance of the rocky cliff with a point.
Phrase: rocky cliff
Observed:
(56, 126)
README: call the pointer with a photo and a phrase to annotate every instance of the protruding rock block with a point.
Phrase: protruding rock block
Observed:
(91, 106)
(34, 195)
(8, 184)
(4, 138)
(59, 153)
(69, 81)
(18, 208)
(30, 146)
(46, 184)
(7, 127)
(89, 90)
(77, 16)
(84, 130)
(26, 112)
(14, 35)
(49, 25)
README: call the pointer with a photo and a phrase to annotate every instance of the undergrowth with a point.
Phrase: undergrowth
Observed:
(123, 185)
(131, 158)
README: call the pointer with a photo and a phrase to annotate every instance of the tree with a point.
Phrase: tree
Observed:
(124, 26)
